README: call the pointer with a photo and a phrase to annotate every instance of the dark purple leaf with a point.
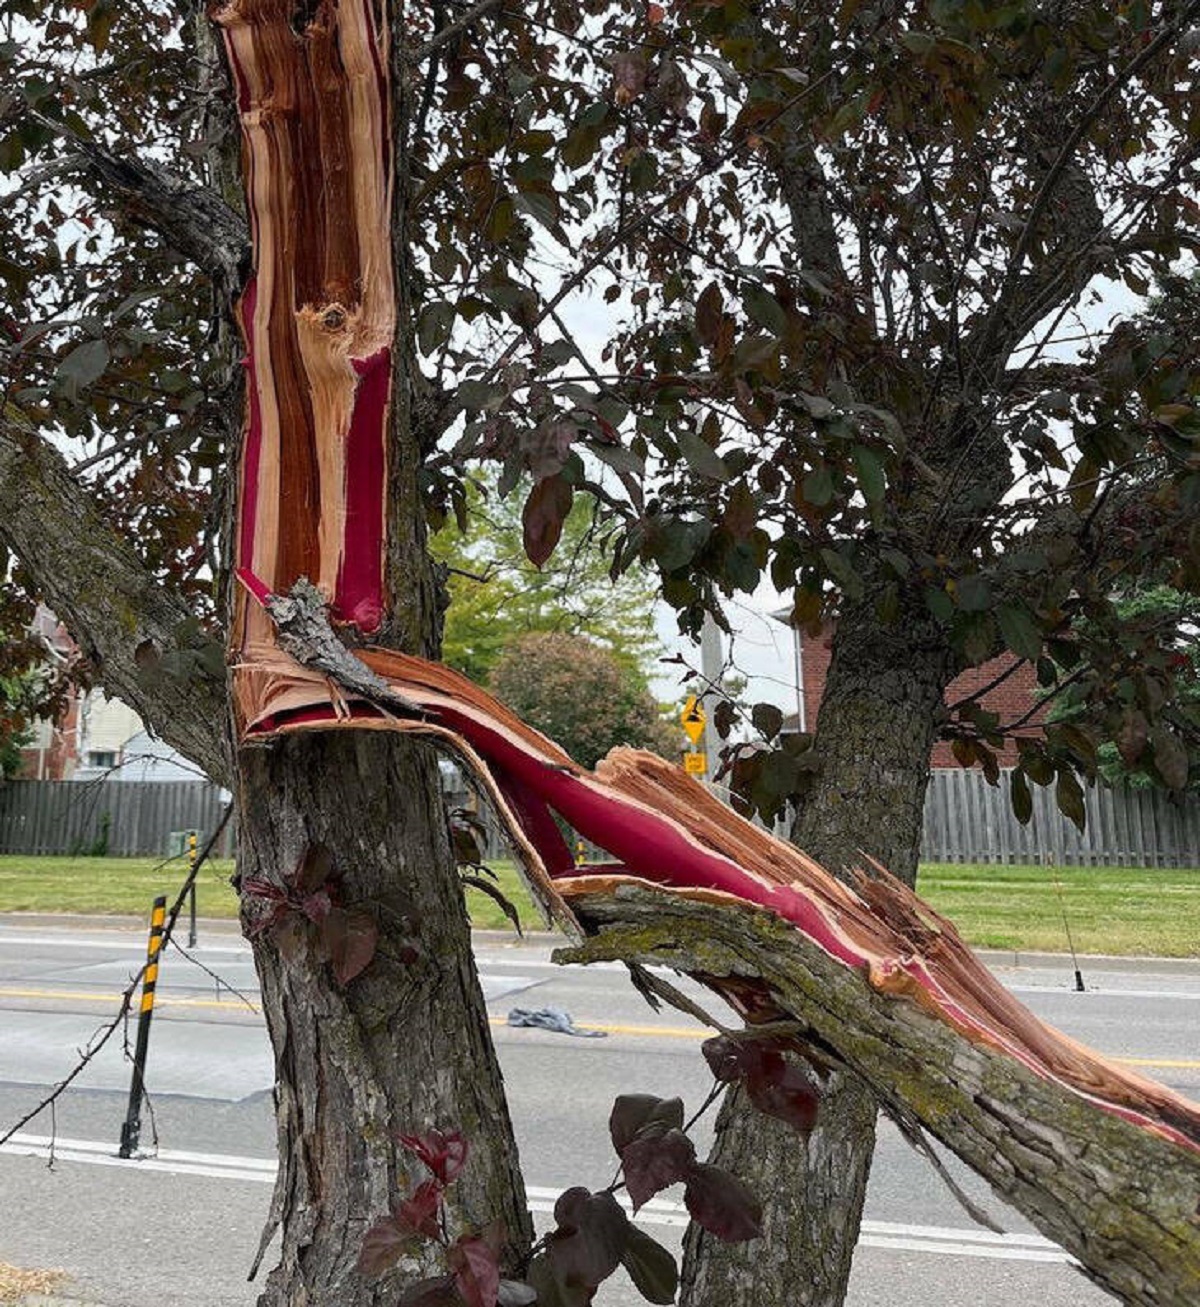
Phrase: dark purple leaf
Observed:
(316, 906)
(546, 447)
(629, 75)
(767, 718)
(419, 1211)
(1132, 736)
(591, 1238)
(476, 1271)
(289, 933)
(709, 309)
(633, 1114)
(653, 1161)
(313, 870)
(725, 716)
(389, 1239)
(724, 1058)
(722, 1204)
(550, 1293)
(545, 512)
(444, 1152)
(350, 938)
(1022, 800)
(651, 1267)
(83, 365)
(1170, 757)
(782, 1089)
(1068, 794)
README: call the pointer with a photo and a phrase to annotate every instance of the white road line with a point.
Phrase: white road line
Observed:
(1104, 991)
(943, 1240)
(110, 945)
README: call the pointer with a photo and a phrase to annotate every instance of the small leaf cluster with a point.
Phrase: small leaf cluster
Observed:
(473, 1278)
(307, 912)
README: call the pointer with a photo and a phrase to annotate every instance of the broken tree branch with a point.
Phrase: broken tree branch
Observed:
(1121, 1198)
(143, 641)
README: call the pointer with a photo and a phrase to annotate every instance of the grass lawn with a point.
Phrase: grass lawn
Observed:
(1132, 911)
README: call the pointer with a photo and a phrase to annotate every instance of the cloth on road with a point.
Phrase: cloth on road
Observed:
(551, 1018)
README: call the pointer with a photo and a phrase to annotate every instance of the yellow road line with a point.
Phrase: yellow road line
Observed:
(641, 1032)
(230, 1004)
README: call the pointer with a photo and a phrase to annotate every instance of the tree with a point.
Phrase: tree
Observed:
(581, 696)
(497, 594)
(838, 246)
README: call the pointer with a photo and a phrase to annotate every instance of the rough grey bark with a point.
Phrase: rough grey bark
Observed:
(404, 1047)
(1116, 1194)
(139, 637)
(875, 731)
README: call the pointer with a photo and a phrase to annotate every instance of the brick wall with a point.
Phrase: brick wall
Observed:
(1011, 699)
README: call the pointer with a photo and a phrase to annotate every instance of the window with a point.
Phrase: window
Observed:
(104, 758)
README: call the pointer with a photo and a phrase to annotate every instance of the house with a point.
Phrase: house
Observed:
(53, 752)
(96, 737)
(1008, 684)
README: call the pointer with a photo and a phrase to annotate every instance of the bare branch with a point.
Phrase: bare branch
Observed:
(194, 221)
(1020, 299)
(451, 30)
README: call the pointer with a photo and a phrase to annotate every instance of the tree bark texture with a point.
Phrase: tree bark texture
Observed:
(875, 731)
(403, 1047)
(1120, 1197)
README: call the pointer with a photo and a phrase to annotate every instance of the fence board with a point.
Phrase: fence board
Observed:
(967, 820)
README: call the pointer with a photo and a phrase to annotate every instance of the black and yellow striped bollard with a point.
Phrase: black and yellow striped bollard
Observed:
(132, 1128)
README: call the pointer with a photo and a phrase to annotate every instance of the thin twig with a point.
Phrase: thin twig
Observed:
(451, 30)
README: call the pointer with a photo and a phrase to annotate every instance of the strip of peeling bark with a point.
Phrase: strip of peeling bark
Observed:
(1121, 1198)
(141, 639)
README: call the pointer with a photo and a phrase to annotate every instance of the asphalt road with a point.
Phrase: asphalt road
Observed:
(181, 1227)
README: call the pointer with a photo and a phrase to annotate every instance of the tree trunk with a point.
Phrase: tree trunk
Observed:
(403, 1047)
(875, 730)
(328, 463)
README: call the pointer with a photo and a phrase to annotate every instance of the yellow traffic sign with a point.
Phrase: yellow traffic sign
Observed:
(693, 718)
(696, 764)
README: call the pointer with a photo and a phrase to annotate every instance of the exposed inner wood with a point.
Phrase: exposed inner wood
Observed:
(665, 828)
(319, 313)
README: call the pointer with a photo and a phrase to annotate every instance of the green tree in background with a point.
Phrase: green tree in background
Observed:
(583, 696)
(497, 594)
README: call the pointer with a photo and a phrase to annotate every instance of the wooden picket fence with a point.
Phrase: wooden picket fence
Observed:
(966, 820)
(115, 818)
